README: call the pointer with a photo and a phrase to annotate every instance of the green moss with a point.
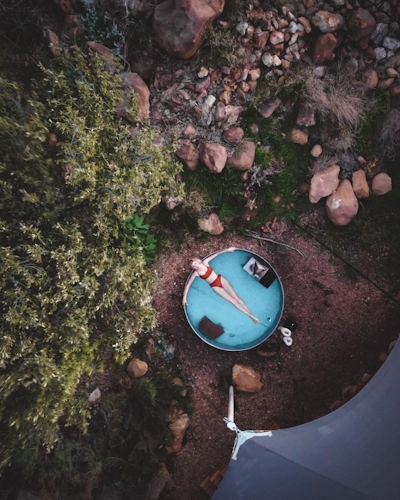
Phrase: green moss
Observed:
(367, 133)
(221, 192)
(292, 161)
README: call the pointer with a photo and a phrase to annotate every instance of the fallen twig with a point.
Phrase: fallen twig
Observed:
(255, 235)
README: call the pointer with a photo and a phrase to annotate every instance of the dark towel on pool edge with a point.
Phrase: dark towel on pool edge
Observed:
(210, 329)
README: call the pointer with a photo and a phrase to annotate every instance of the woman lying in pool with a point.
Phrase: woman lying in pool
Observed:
(218, 283)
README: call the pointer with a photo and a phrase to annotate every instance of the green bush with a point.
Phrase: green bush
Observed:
(70, 290)
(126, 440)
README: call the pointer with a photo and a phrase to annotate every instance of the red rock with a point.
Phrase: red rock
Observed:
(244, 378)
(132, 81)
(360, 24)
(384, 84)
(243, 158)
(342, 205)
(324, 48)
(234, 134)
(268, 108)
(180, 25)
(260, 39)
(370, 78)
(213, 156)
(189, 154)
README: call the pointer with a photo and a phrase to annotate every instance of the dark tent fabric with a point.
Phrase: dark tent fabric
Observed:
(352, 453)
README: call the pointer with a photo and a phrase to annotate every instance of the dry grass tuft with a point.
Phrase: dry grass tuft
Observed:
(337, 98)
(389, 137)
(324, 161)
(343, 142)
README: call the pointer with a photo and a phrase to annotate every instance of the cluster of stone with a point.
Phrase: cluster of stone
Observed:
(204, 106)
(342, 195)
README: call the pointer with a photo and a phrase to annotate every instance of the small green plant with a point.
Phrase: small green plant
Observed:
(135, 233)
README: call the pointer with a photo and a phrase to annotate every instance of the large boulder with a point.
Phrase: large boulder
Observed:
(159, 481)
(324, 183)
(245, 379)
(342, 205)
(299, 137)
(243, 158)
(179, 423)
(213, 156)
(370, 78)
(360, 24)
(327, 22)
(360, 184)
(267, 108)
(234, 134)
(381, 183)
(188, 154)
(137, 368)
(324, 48)
(211, 224)
(179, 25)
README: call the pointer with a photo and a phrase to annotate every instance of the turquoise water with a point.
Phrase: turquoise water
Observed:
(240, 332)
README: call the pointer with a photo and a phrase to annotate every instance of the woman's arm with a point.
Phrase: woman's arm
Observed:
(207, 260)
(185, 292)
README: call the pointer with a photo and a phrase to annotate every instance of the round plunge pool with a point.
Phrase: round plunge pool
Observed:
(219, 323)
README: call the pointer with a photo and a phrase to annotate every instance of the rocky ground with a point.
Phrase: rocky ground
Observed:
(345, 327)
(345, 323)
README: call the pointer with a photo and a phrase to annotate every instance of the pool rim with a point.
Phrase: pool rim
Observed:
(281, 312)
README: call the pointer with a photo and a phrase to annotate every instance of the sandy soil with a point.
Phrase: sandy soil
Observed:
(344, 325)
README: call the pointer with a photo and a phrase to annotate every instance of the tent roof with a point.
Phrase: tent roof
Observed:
(352, 453)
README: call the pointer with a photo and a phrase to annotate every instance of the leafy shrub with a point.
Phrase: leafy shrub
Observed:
(69, 290)
(125, 441)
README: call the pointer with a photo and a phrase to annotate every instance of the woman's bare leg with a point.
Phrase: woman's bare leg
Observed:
(225, 295)
(229, 288)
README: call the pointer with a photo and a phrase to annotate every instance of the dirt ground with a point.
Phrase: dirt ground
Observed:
(344, 325)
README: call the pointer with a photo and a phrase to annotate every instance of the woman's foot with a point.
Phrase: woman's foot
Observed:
(254, 319)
